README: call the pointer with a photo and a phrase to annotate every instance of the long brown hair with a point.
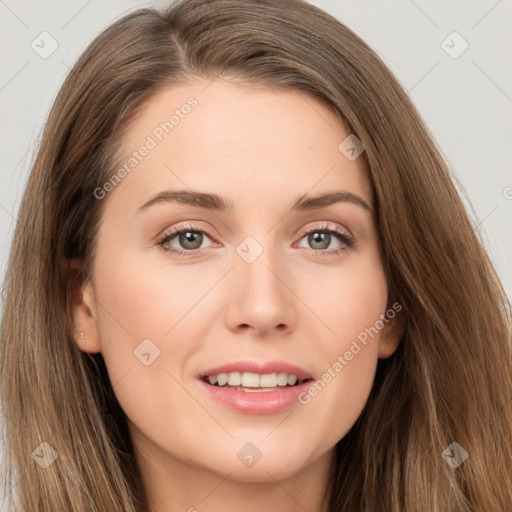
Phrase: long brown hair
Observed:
(449, 381)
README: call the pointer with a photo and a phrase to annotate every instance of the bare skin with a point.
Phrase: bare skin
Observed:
(299, 301)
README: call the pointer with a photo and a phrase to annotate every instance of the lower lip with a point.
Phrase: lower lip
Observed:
(253, 402)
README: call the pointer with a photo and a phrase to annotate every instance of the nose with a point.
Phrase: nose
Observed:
(260, 297)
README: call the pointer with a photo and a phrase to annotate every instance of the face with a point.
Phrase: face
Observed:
(253, 281)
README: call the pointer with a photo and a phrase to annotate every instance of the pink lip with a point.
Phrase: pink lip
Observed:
(264, 402)
(261, 368)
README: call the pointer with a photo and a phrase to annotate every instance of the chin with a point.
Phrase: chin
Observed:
(261, 461)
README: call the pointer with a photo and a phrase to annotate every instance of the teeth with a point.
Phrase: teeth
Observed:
(292, 379)
(282, 379)
(250, 380)
(222, 379)
(254, 380)
(234, 379)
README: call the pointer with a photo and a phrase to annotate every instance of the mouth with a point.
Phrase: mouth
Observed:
(252, 387)
(251, 382)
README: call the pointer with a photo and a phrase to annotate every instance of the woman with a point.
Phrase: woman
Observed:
(337, 341)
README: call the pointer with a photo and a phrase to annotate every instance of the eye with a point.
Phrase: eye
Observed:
(189, 237)
(320, 238)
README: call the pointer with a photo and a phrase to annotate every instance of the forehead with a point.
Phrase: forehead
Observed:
(249, 139)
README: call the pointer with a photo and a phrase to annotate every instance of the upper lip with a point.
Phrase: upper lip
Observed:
(258, 367)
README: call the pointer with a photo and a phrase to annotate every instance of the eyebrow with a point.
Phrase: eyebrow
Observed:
(217, 203)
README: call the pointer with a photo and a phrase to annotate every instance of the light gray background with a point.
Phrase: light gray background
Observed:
(466, 101)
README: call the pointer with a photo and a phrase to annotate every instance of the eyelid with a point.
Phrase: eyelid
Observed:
(325, 226)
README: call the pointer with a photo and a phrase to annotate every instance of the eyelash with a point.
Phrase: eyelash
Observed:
(343, 237)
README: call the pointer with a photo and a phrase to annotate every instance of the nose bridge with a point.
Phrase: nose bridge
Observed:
(260, 265)
(260, 297)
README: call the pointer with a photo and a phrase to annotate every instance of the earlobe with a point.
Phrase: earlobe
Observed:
(83, 309)
(391, 334)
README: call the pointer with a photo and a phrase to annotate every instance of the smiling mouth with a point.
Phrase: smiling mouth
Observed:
(254, 382)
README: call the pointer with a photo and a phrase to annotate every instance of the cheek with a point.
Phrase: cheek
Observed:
(357, 322)
(349, 304)
(352, 309)
(145, 301)
(151, 319)
(146, 322)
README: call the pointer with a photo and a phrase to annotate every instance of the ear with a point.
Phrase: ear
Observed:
(83, 308)
(392, 331)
